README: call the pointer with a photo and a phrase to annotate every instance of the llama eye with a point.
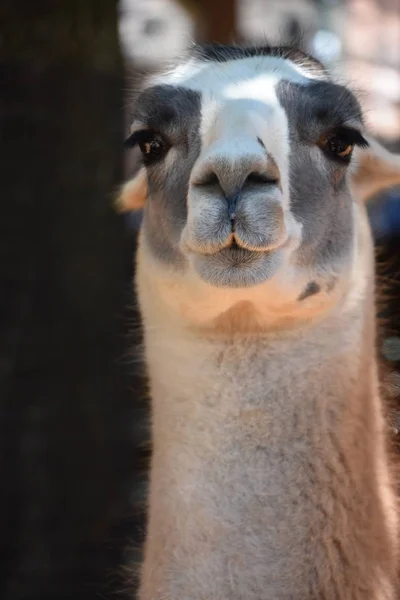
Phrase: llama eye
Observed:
(340, 147)
(152, 145)
(339, 144)
(337, 147)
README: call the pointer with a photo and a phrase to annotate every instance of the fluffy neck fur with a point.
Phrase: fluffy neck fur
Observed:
(269, 477)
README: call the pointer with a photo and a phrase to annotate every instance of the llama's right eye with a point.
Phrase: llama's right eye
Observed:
(152, 145)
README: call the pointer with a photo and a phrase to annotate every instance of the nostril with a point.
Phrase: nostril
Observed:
(207, 179)
(261, 178)
(211, 179)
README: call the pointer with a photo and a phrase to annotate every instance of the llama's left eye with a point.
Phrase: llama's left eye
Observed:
(339, 147)
(339, 143)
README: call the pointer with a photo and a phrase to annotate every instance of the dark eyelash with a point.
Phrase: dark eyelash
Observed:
(138, 136)
(130, 141)
(349, 135)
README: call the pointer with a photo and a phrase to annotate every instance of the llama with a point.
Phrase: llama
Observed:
(270, 476)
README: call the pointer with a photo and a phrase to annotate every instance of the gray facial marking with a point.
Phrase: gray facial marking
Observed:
(173, 112)
(311, 289)
(320, 196)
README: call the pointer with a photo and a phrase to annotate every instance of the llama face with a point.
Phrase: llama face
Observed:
(247, 156)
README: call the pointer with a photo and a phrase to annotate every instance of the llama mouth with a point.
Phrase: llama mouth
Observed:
(234, 255)
(237, 267)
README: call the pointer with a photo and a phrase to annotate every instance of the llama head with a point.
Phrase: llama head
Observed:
(247, 160)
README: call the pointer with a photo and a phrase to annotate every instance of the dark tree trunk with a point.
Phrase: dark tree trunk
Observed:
(219, 20)
(215, 19)
(66, 398)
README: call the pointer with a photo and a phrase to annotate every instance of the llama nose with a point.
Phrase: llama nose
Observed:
(234, 177)
(232, 201)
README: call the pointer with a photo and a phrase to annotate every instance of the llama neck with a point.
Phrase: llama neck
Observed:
(284, 386)
(269, 475)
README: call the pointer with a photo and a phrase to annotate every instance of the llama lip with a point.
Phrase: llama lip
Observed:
(237, 267)
(235, 256)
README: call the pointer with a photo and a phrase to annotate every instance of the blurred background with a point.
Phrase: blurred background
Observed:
(74, 442)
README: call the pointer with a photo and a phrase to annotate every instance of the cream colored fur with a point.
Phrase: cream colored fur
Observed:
(212, 364)
(133, 194)
(241, 393)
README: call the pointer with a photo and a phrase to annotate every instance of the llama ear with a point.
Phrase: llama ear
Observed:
(132, 194)
(377, 169)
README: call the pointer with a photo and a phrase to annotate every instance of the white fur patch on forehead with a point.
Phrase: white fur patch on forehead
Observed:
(246, 109)
(240, 111)
(210, 76)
